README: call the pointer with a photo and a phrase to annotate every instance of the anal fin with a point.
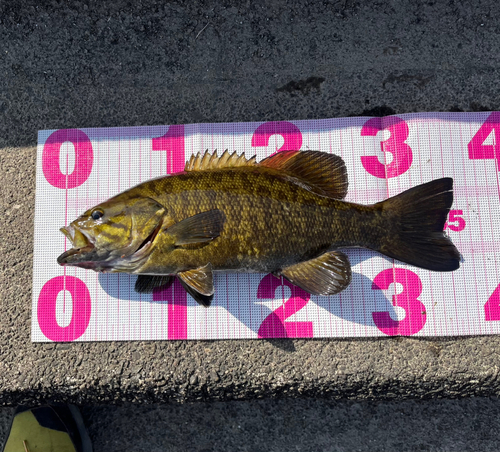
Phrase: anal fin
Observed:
(327, 274)
(147, 283)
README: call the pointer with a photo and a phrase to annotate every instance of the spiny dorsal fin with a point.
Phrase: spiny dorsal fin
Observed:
(207, 161)
(325, 174)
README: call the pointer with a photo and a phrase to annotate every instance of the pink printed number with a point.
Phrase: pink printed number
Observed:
(290, 133)
(402, 155)
(173, 144)
(478, 150)
(455, 221)
(176, 297)
(492, 306)
(274, 324)
(84, 157)
(415, 310)
(46, 313)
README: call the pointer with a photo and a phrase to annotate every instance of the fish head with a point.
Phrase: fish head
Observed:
(117, 235)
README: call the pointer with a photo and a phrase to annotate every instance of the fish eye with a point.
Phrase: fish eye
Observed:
(97, 215)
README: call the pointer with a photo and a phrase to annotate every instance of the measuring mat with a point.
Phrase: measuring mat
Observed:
(79, 168)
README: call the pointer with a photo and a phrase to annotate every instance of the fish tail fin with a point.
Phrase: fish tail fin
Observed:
(416, 221)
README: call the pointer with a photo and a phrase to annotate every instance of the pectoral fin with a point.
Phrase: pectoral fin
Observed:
(199, 284)
(147, 283)
(327, 274)
(199, 228)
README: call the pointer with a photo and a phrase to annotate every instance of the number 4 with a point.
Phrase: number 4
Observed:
(478, 150)
(492, 306)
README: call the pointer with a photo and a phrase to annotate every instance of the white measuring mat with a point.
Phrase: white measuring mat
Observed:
(79, 168)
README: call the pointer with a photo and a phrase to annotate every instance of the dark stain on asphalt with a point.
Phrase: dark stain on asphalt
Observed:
(302, 86)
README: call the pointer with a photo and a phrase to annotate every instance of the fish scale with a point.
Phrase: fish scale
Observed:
(311, 220)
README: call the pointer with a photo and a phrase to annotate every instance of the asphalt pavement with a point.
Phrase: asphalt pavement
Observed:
(301, 425)
(96, 64)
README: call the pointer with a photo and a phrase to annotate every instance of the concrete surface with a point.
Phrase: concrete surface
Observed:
(294, 425)
(90, 64)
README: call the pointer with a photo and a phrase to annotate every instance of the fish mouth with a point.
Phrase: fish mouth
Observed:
(82, 246)
(63, 257)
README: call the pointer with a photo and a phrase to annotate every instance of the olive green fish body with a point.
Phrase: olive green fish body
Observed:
(284, 215)
(270, 222)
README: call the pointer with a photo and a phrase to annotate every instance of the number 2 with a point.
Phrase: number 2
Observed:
(274, 324)
(290, 133)
(492, 306)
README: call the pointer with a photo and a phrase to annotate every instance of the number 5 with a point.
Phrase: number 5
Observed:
(455, 216)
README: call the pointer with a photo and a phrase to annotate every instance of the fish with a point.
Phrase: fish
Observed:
(284, 215)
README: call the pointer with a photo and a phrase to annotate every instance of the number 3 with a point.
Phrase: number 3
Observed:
(415, 309)
(395, 145)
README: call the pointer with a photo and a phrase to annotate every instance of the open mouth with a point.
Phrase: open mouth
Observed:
(81, 244)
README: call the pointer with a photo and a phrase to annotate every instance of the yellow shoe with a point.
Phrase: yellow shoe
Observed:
(48, 428)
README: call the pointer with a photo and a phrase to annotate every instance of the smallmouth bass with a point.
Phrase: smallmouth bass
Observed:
(283, 215)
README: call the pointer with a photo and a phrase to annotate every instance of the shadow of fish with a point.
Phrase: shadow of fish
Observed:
(284, 215)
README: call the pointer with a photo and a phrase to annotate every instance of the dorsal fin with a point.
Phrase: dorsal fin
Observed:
(325, 174)
(206, 161)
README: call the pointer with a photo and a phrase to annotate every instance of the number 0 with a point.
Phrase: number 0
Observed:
(46, 312)
(84, 157)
